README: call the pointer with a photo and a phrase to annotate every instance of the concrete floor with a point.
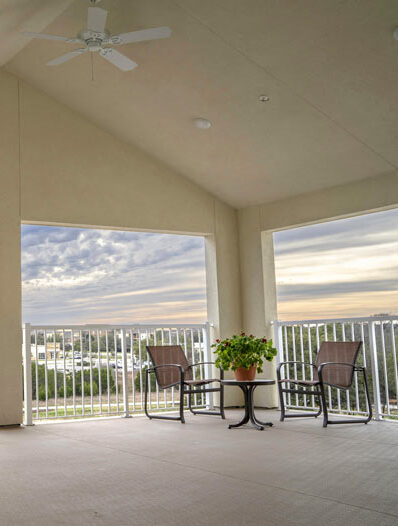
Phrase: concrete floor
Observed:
(141, 472)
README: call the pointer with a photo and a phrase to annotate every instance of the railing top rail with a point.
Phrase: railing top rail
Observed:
(335, 320)
(133, 326)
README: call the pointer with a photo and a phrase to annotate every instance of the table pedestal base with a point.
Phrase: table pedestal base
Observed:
(248, 391)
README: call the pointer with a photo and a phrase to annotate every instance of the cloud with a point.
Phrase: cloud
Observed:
(347, 267)
(72, 275)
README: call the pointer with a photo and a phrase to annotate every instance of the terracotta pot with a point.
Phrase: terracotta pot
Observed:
(243, 375)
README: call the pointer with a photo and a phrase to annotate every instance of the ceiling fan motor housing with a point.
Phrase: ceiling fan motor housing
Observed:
(94, 39)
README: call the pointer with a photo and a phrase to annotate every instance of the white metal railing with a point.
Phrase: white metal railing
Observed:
(99, 370)
(300, 340)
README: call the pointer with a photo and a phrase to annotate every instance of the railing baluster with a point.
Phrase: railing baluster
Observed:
(27, 374)
(355, 373)
(287, 369)
(310, 360)
(375, 370)
(338, 390)
(394, 354)
(73, 372)
(64, 373)
(82, 371)
(91, 372)
(116, 370)
(107, 370)
(294, 359)
(123, 343)
(132, 367)
(37, 378)
(99, 371)
(303, 370)
(386, 389)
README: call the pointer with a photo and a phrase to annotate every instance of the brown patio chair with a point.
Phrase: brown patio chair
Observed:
(335, 366)
(172, 369)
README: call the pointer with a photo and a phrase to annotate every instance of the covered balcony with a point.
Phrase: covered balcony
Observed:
(297, 108)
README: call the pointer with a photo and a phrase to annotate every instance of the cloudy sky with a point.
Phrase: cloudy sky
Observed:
(338, 269)
(73, 275)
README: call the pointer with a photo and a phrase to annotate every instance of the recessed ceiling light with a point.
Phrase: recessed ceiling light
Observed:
(202, 124)
(396, 34)
(263, 98)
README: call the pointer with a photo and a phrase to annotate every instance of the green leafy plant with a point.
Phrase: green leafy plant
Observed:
(243, 351)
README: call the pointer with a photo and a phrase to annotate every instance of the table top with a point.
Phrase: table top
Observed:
(259, 381)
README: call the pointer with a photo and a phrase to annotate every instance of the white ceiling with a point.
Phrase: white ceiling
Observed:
(329, 67)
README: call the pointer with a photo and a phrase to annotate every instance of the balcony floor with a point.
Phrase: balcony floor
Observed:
(141, 472)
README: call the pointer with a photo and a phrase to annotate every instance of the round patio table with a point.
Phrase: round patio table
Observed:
(248, 388)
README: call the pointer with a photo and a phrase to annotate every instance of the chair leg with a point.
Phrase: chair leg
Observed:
(367, 397)
(212, 413)
(222, 402)
(324, 405)
(281, 402)
(160, 417)
(296, 415)
(146, 395)
(326, 419)
(182, 403)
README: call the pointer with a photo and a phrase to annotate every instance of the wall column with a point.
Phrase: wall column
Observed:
(258, 288)
(223, 284)
(10, 248)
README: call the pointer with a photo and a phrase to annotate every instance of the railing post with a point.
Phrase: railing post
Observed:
(27, 375)
(125, 376)
(278, 341)
(207, 358)
(375, 371)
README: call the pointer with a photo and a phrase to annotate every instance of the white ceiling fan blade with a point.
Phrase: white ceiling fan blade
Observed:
(50, 37)
(118, 59)
(144, 34)
(96, 19)
(66, 57)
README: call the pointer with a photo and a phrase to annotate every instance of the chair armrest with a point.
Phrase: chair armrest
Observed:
(281, 364)
(207, 363)
(153, 369)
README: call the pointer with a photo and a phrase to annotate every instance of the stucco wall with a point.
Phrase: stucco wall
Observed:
(71, 172)
(10, 280)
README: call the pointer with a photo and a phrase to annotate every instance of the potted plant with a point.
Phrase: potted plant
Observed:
(244, 355)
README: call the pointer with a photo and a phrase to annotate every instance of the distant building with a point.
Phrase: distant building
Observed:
(52, 349)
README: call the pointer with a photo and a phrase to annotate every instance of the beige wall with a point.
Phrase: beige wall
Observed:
(361, 197)
(10, 280)
(74, 173)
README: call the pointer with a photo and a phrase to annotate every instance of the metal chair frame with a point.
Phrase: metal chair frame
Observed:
(184, 391)
(319, 392)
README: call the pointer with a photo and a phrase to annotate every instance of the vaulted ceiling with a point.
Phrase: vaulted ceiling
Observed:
(330, 69)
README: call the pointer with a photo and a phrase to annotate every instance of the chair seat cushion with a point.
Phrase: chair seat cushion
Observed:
(307, 383)
(204, 381)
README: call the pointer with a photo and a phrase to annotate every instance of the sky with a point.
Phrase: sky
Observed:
(79, 276)
(341, 268)
(344, 268)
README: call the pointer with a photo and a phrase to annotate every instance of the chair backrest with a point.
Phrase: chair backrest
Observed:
(169, 354)
(338, 375)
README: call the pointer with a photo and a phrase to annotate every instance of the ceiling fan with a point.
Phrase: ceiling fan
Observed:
(96, 38)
